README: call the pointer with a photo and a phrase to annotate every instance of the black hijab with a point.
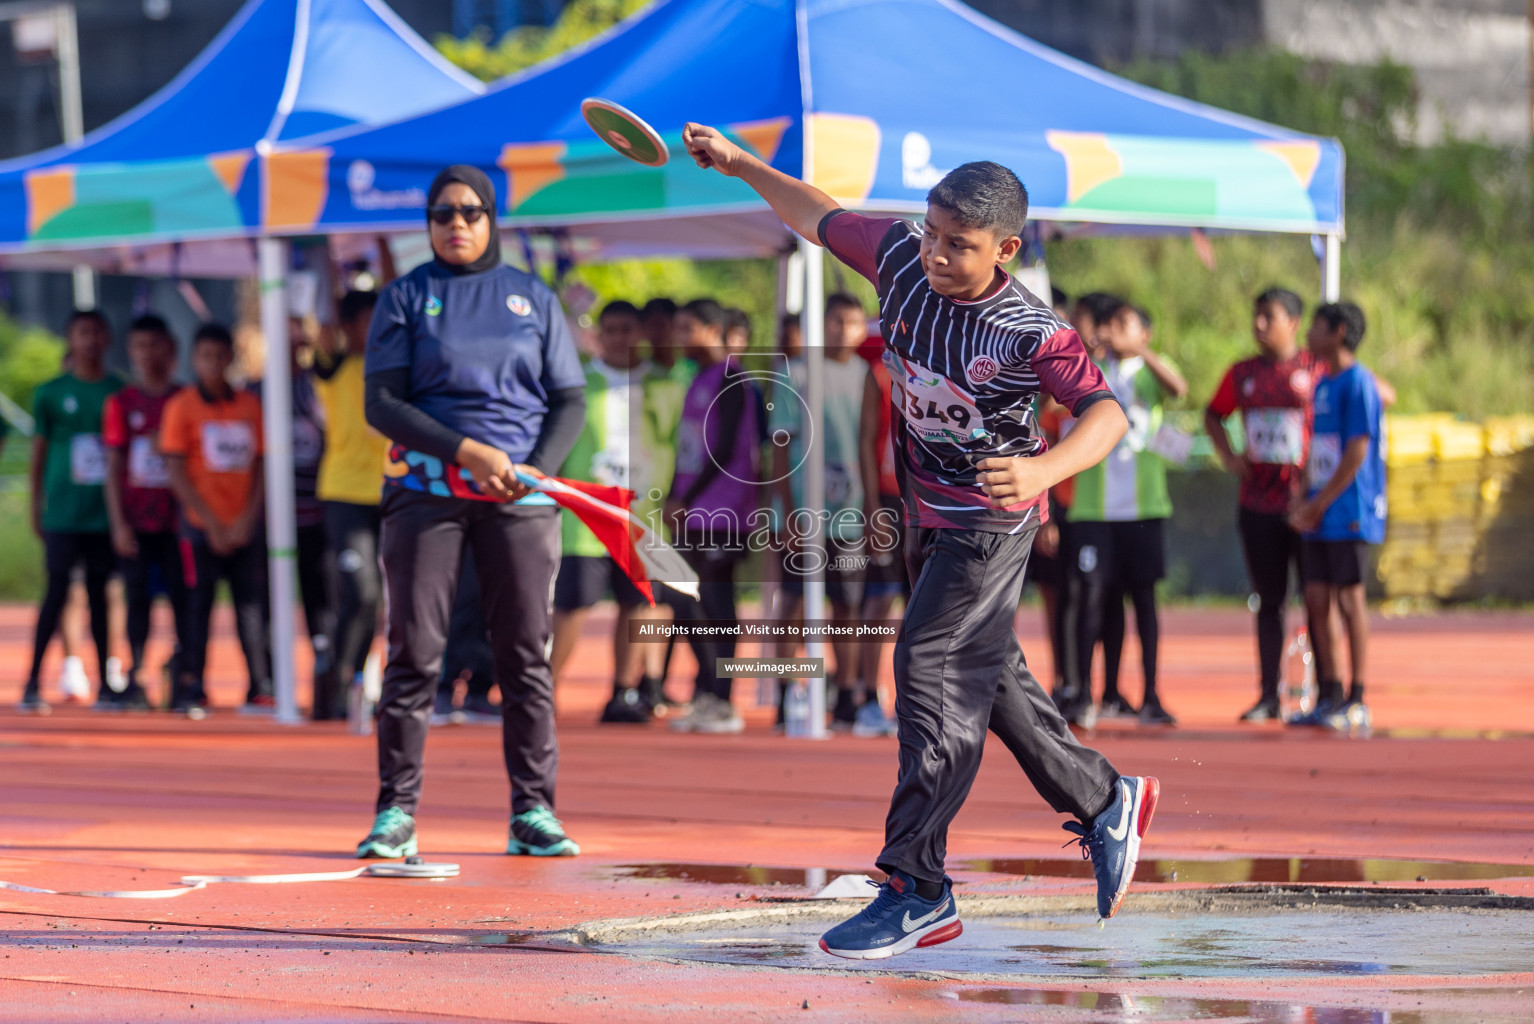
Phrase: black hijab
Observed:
(479, 182)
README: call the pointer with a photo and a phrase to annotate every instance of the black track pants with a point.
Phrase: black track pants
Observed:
(959, 670)
(516, 552)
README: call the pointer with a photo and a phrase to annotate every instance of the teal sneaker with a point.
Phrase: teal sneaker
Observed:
(538, 833)
(393, 835)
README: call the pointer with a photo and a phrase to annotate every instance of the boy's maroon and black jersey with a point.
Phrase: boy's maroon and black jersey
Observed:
(1274, 398)
(965, 375)
(130, 422)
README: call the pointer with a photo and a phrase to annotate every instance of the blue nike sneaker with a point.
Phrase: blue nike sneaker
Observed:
(1113, 841)
(896, 921)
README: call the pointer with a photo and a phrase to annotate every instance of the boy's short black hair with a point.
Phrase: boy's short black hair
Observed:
(1102, 305)
(150, 323)
(87, 314)
(1139, 311)
(1282, 297)
(1350, 317)
(790, 320)
(354, 303)
(216, 334)
(736, 319)
(619, 307)
(983, 195)
(705, 311)
(843, 300)
(1057, 297)
(661, 306)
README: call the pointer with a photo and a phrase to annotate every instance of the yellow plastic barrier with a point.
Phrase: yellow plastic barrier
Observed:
(1455, 490)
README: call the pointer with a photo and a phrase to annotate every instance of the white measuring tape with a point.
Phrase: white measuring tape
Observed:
(191, 883)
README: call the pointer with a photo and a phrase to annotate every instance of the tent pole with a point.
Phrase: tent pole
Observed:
(812, 326)
(277, 419)
(1331, 269)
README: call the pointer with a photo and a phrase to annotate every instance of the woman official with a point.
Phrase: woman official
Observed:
(472, 374)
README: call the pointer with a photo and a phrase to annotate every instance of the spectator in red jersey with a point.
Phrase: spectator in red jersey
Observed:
(140, 504)
(1272, 391)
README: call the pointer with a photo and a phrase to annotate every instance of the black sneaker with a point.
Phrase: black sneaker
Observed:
(1117, 707)
(627, 708)
(108, 701)
(32, 703)
(845, 715)
(1318, 717)
(392, 835)
(653, 691)
(188, 701)
(134, 698)
(1152, 713)
(537, 833)
(1265, 710)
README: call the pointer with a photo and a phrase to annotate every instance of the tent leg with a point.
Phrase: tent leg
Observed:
(1331, 269)
(277, 417)
(813, 329)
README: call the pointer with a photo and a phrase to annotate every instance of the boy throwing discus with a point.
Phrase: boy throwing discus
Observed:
(968, 351)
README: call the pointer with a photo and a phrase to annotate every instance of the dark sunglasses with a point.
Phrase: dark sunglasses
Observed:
(445, 213)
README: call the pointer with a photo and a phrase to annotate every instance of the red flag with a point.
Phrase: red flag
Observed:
(641, 554)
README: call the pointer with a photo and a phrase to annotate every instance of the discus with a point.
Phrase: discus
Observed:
(625, 131)
(413, 867)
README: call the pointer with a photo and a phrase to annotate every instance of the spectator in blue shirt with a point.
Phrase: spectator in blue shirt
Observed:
(1344, 511)
(472, 374)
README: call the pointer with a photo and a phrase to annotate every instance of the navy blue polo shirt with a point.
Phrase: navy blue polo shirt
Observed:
(484, 350)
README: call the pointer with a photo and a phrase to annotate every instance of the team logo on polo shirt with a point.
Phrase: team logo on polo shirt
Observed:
(519, 305)
(1300, 381)
(136, 420)
(70, 405)
(981, 369)
(433, 306)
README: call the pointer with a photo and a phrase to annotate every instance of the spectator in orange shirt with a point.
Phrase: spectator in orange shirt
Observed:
(210, 437)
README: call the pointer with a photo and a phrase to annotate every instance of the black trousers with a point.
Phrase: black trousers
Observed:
(714, 559)
(356, 581)
(158, 562)
(959, 671)
(1075, 688)
(516, 551)
(314, 592)
(245, 570)
(1115, 560)
(1271, 546)
(61, 553)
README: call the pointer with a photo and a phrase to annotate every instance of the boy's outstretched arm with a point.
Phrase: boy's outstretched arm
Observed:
(799, 205)
(1007, 481)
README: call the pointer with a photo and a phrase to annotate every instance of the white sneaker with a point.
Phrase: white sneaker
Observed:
(117, 679)
(719, 717)
(689, 721)
(709, 714)
(73, 683)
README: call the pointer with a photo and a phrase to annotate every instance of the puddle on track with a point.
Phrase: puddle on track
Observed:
(1213, 872)
(1142, 945)
(1113, 1006)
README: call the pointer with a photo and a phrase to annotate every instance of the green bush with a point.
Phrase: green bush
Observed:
(523, 47)
(28, 357)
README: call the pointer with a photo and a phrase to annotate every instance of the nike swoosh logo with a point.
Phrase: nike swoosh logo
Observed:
(907, 925)
(1119, 833)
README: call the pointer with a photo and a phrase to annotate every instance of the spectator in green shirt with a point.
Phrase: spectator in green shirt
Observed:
(69, 510)
(1117, 517)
